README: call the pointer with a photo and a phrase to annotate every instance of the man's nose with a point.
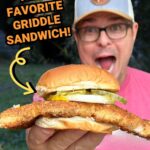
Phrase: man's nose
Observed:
(103, 39)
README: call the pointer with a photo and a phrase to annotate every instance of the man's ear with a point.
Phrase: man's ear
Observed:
(75, 35)
(135, 30)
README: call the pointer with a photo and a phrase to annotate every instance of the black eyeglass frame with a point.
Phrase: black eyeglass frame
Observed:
(127, 24)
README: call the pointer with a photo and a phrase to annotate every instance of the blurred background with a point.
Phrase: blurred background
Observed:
(49, 54)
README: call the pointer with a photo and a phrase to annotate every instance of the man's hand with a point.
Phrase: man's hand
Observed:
(47, 139)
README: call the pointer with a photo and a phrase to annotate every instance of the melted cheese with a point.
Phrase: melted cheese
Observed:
(82, 98)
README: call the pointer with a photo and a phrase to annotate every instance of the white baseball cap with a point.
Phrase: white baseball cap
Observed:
(83, 8)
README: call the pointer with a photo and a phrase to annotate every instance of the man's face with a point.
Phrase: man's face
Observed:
(109, 54)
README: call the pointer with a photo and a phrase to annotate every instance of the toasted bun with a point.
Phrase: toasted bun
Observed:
(75, 77)
(85, 124)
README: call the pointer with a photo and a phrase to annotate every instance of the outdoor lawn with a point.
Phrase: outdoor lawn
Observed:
(11, 94)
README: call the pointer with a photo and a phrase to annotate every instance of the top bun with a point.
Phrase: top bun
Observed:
(75, 77)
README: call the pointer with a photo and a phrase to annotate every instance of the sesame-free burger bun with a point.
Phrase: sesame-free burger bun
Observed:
(80, 123)
(76, 77)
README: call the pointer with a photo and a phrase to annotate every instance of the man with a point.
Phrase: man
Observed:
(105, 32)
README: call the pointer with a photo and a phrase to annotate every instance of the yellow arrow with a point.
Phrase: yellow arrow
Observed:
(21, 61)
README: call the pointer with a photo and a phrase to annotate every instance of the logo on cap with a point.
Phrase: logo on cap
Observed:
(99, 2)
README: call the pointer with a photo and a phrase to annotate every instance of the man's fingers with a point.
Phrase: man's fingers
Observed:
(43, 139)
(88, 142)
(38, 135)
(63, 139)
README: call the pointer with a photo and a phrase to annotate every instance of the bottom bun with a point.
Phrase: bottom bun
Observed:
(85, 124)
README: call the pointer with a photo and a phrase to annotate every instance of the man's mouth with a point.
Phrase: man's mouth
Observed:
(106, 63)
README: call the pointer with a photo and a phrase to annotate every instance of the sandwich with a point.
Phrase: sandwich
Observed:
(76, 97)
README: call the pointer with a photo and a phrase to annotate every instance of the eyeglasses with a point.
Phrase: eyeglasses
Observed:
(114, 32)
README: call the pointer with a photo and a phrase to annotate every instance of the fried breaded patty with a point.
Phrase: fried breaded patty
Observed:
(25, 116)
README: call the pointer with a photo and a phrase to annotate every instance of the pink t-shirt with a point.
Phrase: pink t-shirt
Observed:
(136, 89)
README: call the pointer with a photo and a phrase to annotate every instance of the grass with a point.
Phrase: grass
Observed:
(11, 94)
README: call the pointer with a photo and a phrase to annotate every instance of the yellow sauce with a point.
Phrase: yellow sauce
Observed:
(57, 98)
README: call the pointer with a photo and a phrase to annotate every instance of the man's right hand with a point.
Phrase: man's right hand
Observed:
(47, 139)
